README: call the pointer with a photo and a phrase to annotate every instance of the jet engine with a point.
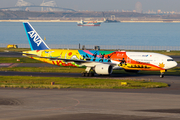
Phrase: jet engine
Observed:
(103, 69)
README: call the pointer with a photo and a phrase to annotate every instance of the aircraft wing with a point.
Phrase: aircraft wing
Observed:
(83, 62)
(77, 61)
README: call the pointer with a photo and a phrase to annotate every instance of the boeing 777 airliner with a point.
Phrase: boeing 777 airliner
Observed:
(101, 62)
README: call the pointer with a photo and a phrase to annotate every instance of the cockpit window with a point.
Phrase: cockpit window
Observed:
(170, 60)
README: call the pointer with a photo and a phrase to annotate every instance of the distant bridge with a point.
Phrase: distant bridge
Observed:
(37, 6)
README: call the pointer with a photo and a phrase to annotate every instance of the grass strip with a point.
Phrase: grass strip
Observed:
(14, 49)
(18, 60)
(173, 71)
(44, 69)
(86, 83)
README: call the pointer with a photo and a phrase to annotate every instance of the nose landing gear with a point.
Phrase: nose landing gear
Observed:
(162, 73)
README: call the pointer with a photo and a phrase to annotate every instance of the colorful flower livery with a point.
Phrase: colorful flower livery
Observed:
(102, 62)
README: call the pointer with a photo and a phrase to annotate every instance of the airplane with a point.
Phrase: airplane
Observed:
(96, 61)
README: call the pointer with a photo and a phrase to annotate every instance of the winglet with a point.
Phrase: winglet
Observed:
(35, 41)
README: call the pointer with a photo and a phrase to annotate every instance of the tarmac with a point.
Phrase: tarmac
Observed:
(67, 104)
(96, 104)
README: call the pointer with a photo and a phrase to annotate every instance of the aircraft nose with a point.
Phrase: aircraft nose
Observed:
(171, 65)
(174, 64)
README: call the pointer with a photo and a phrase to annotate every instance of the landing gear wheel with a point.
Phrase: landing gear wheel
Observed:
(87, 74)
(83, 74)
(91, 74)
(162, 75)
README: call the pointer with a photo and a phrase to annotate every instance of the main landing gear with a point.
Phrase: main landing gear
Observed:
(88, 72)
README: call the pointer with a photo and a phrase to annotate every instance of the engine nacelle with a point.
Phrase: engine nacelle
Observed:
(103, 69)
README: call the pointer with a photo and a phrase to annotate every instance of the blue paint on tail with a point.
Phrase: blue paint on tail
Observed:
(35, 41)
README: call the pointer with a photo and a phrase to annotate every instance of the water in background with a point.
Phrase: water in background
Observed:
(128, 34)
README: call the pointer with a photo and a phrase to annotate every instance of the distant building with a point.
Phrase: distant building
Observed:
(50, 4)
(159, 11)
(138, 7)
(21, 3)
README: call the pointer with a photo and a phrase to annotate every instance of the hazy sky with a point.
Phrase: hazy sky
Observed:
(106, 5)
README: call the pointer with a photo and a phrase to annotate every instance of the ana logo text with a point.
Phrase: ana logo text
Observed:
(35, 37)
(144, 55)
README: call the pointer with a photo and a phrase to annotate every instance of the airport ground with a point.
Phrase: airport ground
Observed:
(81, 104)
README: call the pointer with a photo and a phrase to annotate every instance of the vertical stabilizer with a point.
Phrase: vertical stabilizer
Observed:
(35, 41)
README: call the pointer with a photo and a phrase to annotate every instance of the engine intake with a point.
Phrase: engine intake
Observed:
(103, 69)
